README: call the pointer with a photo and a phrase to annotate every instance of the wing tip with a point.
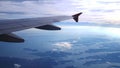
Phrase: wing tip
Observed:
(76, 16)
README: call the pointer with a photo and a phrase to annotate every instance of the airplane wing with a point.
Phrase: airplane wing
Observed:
(12, 25)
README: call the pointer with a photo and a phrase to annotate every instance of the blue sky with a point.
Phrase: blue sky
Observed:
(97, 11)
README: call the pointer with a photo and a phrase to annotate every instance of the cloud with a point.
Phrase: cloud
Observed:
(109, 2)
(93, 11)
(101, 10)
(17, 65)
(34, 8)
(12, 12)
(28, 8)
(63, 46)
(19, 0)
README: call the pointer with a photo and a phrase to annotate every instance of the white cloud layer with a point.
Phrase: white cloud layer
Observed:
(97, 11)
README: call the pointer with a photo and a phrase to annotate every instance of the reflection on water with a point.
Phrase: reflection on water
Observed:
(77, 47)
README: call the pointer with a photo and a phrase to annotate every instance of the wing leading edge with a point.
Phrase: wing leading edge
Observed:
(12, 25)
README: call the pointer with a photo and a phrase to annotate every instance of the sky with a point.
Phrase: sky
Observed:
(94, 11)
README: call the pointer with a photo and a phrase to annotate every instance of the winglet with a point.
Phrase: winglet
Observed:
(76, 16)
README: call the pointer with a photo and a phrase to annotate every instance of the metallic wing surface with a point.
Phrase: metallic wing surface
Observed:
(7, 26)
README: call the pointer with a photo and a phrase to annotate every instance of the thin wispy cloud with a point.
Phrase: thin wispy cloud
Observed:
(19, 0)
(96, 11)
(17, 65)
